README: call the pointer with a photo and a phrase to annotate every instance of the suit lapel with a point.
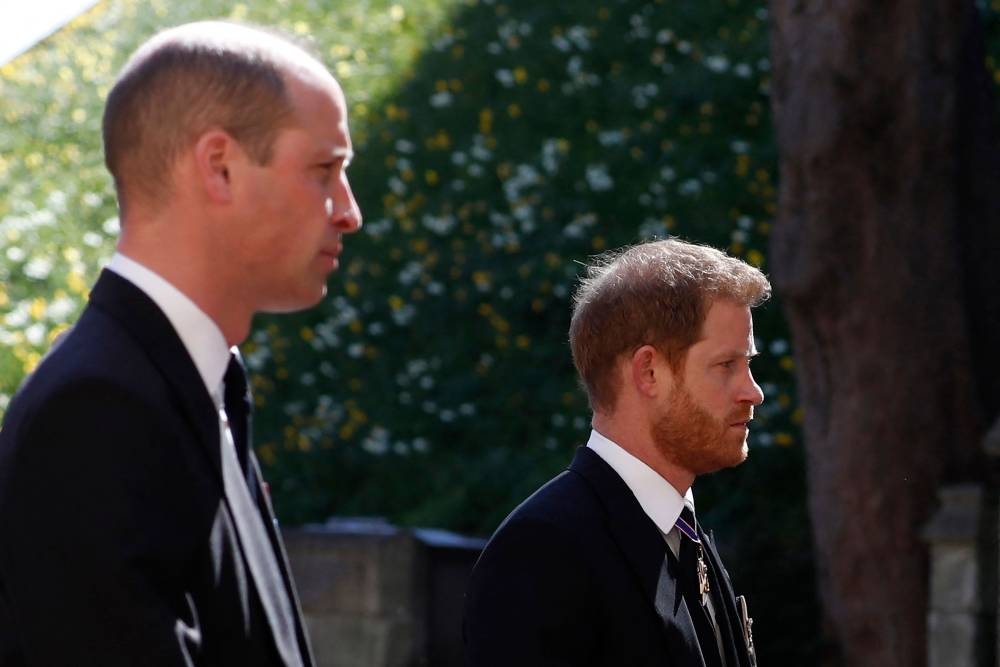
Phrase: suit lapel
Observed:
(725, 613)
(142, 318)
(644, 550)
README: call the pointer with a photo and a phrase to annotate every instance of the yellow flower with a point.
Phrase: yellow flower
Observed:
(742, 165)
(31, 361)
(481, 278)
(37, 309)
(783, 439)
(55, 332)
(486, 121)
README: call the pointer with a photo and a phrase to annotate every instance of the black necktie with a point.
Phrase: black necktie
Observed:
(688, 559)
(259, 554)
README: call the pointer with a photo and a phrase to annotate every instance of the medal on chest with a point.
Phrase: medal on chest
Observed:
(703, 587)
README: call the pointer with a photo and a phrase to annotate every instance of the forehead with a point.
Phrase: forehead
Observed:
(728, 327)
(320, 110)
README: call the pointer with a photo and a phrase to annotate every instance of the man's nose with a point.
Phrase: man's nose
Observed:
(751, 391)
(345, 215)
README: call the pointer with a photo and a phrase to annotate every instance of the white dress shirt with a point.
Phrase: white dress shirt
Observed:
(200, 335)
(658, 498)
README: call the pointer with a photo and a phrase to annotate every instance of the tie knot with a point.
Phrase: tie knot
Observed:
(687, 525)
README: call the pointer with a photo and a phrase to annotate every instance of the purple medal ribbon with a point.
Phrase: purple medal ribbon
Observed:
(687, 529)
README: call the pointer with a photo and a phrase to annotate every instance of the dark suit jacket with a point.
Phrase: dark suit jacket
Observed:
(578, 575)
(117, 546)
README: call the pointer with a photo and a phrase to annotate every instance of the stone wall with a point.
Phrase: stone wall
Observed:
(375, 595)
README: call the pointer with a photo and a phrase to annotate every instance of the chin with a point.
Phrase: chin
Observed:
(291, 305)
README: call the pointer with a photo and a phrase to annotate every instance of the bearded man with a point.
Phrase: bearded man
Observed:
(606, 564)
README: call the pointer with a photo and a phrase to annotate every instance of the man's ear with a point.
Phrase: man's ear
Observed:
(214, 153)
(650, 372)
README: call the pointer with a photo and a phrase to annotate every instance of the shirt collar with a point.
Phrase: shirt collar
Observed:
(658, 498)
(200, 335)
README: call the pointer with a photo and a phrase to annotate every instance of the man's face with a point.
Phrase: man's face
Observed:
(703, 425)
(296, 209)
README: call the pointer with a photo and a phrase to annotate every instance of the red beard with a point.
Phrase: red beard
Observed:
(686, 435)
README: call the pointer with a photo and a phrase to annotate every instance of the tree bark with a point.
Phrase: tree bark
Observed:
(878, 255)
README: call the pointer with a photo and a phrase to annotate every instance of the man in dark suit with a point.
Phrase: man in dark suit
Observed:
(135, 528)
(606, 564)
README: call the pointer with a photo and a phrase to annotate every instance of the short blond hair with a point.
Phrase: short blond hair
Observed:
(190, 79)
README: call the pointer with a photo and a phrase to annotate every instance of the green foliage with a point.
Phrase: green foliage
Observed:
(524, 140)
(499, 145)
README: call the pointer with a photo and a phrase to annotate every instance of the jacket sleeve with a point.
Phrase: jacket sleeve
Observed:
(92, 553)
(528, 601)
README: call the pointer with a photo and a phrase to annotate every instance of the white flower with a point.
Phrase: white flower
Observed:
(35, 333)
(578, 35)
(505, 77)
(598, 178)
(692, 186)
(440, 225)
(397, 186)
(60, 309)
(561, 43)
(611, 138)
(717, 63)
(441, 99)
(38, 268)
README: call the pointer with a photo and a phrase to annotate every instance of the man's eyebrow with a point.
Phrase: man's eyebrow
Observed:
(736, 354)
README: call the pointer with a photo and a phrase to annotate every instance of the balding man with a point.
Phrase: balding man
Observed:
(606, 565)
(134, 525)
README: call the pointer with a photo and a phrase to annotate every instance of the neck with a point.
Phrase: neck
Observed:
(632, 434)
(187, 263)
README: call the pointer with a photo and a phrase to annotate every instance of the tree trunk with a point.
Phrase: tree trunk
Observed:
(871, 253)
